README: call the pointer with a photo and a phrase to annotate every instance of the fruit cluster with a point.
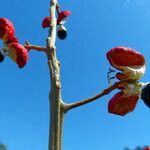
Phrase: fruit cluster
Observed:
(12, 48)
(131, 65)
(61, 30)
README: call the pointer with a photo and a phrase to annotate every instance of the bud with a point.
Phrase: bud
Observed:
(62, 32)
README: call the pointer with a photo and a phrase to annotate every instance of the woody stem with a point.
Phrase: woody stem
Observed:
(106, 91)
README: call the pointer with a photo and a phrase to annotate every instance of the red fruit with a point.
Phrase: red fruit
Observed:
(125, 101)
(129, 61)
(18, 53)
(122, 56)
(121, 104)
(62, 15)
(7, 30)
(46, 22)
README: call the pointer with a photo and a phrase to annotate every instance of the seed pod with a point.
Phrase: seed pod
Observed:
(18, 54)
(129, 61)
(125, 101)
(7, 31)
(63, 15)
(61, 32)
(46, 22)
(60, 20)
(121, 104)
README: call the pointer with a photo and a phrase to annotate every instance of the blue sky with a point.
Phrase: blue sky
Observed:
(94, 27)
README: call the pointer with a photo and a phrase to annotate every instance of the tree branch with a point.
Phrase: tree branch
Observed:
(106, 91)
(38, 48)
(55, 98)
(28, 46)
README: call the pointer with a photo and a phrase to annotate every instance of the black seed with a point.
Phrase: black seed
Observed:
(62, 34)
(1, 57)
(145, 95)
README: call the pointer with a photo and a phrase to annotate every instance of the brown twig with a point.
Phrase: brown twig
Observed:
(106, 91)
(28, 46)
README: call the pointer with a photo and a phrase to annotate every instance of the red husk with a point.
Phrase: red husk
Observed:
(21, 54)
(46, 22)
(122, 56)
(121, 104)
(62, 15)
(7, 30)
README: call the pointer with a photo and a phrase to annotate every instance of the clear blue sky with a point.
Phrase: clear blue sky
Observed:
(94, 27)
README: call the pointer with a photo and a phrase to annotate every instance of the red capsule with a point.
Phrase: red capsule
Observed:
(125, 101)
(7, 31)
(122, 56)
(18, 54)
(121, 104)
(62, 15)
(46, 22)
(129, 61)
